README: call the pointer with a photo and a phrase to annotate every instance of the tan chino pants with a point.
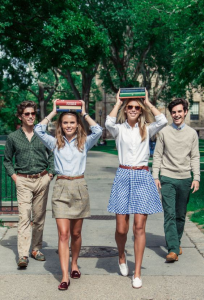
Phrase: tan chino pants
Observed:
(32, 200)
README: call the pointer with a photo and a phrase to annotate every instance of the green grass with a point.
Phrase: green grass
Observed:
(196, 200)
(198, 217)
(110, 147)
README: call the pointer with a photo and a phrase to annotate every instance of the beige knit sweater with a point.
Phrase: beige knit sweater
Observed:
(177, 153)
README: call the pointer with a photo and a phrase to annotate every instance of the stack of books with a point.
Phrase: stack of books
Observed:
(69, 105)
(132, 93)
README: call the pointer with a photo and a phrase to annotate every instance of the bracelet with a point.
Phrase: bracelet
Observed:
(47, 119)
(84, 116)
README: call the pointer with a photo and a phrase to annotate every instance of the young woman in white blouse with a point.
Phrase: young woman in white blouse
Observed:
(70, 199)
(134, 190)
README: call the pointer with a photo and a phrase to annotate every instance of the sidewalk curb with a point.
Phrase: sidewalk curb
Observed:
(195, 235)
(3, 231)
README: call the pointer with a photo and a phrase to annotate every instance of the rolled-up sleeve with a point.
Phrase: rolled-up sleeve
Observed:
(48, 140)
(155, 127)
(96, 132)
(111, 125)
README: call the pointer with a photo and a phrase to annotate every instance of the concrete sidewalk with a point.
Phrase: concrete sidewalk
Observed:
(100, 276)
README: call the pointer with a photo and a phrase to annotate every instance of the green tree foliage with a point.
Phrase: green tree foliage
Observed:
(158, 43)
(54, 35)
(187, 22)
(139, 44)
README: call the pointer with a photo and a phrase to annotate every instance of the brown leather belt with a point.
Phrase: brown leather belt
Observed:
(69, 177)
(134, 168)
(43, 173)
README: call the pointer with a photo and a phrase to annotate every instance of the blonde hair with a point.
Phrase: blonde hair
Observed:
(81, 133)
(145, 118)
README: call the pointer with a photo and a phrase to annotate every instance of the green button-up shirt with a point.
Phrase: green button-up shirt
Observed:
(31, 157)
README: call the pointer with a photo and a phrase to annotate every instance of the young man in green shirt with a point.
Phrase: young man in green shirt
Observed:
(32, 159)
(176, 155)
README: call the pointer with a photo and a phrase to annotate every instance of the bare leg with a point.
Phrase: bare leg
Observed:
(63, 226)
(76, 226)
(122, 227)
(139, 242)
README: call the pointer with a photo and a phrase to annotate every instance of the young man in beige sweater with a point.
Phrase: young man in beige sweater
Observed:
(176, 155)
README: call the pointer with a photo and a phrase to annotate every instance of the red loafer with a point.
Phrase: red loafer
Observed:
(64, 286)
(75, 274)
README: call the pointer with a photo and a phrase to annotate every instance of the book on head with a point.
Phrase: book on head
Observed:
(69, 102)
(69, 110)
(132, 93)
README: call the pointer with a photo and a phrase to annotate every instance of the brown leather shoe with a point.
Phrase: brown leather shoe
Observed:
(180, 251)
(171, 257)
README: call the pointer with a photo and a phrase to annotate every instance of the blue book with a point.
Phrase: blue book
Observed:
(69, 110)
(132, 90)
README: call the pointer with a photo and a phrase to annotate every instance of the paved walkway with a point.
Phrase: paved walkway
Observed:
(100, 278)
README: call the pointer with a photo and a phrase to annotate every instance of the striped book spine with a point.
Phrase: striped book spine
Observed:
(69, 102)
(69, 107)
(69, 110)
(131, 94)
(132, 90)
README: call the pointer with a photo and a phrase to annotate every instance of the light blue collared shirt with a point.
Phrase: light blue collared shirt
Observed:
(69, 161)
(178, 127)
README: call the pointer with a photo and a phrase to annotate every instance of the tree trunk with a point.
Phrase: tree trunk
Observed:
(86, 87)
(41, 100)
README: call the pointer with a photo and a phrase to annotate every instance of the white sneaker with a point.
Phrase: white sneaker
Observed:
(136, 282)
(124, 270)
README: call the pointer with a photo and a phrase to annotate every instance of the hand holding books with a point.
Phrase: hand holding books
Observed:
(118, 100)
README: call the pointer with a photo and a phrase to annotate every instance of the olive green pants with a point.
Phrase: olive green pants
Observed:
(175, 197)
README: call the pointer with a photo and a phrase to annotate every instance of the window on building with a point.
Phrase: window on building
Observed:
(194, 111)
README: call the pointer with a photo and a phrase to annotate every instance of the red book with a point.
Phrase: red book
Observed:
(69, 102)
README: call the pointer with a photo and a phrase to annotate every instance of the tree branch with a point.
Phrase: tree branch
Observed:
(142, 58)
(31, 91)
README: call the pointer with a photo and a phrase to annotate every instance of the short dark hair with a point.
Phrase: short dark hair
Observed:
(23, 105)
(178, 101)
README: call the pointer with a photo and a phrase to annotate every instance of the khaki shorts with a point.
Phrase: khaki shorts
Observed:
(70, 199)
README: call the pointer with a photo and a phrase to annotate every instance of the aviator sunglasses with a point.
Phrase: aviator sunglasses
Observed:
(130, 107)
(29, 113)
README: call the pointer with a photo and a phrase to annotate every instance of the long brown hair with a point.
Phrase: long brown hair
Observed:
(81, 133)
(145, 118)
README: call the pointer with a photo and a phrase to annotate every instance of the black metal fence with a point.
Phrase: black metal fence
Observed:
(7, 186)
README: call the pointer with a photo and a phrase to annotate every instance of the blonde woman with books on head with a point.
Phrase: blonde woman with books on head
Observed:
(70, 200)
(133, 190)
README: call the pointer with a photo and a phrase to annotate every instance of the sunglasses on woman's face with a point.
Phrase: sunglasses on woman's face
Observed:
(29, 113)
(130, 107)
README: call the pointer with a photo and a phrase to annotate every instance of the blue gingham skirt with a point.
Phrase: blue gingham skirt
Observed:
(134, 192)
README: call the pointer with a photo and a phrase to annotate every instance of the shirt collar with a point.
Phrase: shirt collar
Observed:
(22, 131)
(178, 127)
(128, 125)
(74, 138)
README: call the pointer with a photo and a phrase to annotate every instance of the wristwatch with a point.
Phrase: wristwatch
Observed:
(84, 116)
